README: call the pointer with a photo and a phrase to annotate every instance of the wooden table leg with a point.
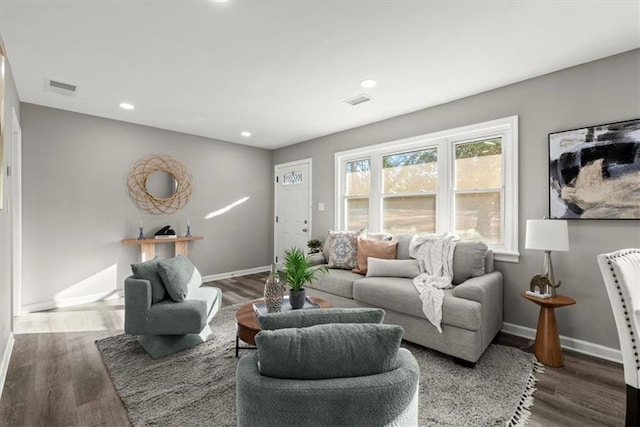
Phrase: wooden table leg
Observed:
(547, 346)
(182, 248)
(148, 251)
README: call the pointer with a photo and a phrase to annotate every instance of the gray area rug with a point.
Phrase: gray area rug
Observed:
(197, 387)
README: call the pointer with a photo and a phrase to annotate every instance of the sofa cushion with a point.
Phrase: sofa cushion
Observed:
(402, 250)
(468, 260)
(306, 318)
(179, 276)
(400, 295)
(176, 318)
(208, 294)
(407, 268)
(383, 249)
(343, 249)
(336, 282)
(329, 351)
(148, 270)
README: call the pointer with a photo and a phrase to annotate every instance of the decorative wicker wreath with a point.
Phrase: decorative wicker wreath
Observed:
(148, 202)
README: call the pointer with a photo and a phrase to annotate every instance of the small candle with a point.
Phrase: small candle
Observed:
(188, 224)
(140, 223)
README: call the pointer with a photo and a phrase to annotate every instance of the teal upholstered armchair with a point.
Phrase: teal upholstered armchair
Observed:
(328, 373)
(166, 306)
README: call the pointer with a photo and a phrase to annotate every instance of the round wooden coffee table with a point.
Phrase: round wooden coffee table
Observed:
(247, 325)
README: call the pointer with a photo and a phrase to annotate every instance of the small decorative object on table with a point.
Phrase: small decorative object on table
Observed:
(298, 270)
(314, 246)
(273, 291)
(188, 230)
(261, 308)
(141, 234)
(165, 232)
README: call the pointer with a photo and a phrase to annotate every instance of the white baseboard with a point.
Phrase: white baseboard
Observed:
(4, 367)
(66, 302)
(580, 346)
(229, 275)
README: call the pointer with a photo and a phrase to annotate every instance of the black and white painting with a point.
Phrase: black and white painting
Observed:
(594, 172)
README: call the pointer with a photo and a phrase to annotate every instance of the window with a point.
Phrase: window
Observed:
(462, 180)
(409, 185)
(358, 180)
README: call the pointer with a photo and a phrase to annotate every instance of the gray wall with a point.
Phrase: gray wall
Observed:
(604, 91)
(11, 102)
(76, 209)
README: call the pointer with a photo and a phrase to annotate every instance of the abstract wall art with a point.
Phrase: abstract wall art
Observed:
(594, 172)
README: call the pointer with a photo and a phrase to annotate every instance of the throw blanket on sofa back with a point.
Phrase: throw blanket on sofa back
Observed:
(434, 253)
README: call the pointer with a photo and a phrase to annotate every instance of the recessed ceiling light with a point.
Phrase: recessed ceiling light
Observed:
(368, 83)
(127, 106)
(245, 133)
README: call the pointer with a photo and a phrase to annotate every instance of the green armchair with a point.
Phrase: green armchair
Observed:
(163, 325)
(327, 373)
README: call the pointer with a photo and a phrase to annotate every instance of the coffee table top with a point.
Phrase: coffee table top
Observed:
(247, 318)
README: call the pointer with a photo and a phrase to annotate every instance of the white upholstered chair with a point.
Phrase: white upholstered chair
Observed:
(621, 273)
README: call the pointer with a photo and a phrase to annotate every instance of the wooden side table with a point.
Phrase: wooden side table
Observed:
(247, 326)
(148, 246)
(547, 345)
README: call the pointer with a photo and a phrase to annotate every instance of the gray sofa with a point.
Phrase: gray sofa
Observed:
(471, 312)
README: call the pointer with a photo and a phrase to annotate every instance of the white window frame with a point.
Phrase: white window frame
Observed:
(444, 141)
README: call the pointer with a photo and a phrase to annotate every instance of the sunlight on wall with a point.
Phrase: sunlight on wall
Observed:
(102, 282)
(105, 315)
(226, 208)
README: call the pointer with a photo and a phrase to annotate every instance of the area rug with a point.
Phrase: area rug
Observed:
(197, 387)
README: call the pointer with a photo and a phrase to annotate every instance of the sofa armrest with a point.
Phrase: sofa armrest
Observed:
(137, 302)
(481, 288)
(317, 259)
(488, 291)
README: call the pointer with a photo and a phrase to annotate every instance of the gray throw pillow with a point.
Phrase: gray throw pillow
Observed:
(408, 268)
(468, 260)
(343, 249)
(306, 318)
(180, 276)
(148, 270)
(329, 351)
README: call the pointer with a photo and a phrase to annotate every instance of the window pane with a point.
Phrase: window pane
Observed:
(358, 178)
(479, 164)
(411, 172)
(411, 214)
(357, 214)
(477, 216)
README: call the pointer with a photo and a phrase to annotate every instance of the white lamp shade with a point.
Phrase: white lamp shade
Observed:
(547, 235)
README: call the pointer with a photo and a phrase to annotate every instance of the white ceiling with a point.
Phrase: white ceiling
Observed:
(282, 69)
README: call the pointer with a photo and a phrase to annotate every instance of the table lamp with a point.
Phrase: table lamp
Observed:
(547, 235)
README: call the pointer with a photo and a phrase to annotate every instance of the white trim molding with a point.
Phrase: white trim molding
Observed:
(6, 358)
(579, 346)
(230, 274)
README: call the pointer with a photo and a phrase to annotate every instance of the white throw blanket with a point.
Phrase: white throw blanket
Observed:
(434, 253)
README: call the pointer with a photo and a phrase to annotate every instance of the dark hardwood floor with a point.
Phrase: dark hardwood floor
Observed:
(56, 376)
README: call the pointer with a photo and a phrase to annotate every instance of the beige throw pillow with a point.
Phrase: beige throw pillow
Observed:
(383, 249)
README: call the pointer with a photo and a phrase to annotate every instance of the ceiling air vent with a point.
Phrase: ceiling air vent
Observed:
(358, 99)
(61, 88)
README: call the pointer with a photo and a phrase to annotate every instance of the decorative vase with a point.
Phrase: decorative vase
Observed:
(297, 298)
(273, 291)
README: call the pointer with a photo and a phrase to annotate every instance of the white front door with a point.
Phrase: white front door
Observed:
(292, 206)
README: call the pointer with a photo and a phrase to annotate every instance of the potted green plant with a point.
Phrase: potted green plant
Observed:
(297, 271)
(314, 246)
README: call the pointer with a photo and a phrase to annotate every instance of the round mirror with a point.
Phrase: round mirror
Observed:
(161, 184)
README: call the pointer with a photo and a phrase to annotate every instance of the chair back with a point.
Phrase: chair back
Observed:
(621, 273)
